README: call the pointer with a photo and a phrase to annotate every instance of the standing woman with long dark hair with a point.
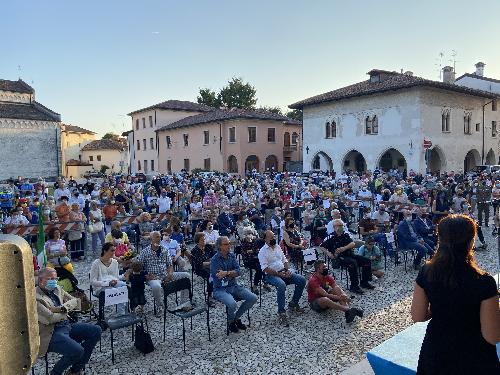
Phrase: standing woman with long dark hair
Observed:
(461, 301)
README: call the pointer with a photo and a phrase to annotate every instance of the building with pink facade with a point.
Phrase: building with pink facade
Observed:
(234, 141)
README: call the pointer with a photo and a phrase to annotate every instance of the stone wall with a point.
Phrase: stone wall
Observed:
(30, 149)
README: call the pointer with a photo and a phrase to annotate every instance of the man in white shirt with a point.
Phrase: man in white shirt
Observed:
(61, 191)
(381, 216)
(335, 216)
(164, 202)
(276, 272)
(174, 249)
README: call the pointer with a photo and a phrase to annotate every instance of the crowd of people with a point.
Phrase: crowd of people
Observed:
(278, 224)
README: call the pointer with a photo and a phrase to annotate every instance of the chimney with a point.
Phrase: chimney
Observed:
(480, 69)
(448, 75)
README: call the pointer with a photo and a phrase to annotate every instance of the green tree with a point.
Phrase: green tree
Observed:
(104, 168)
(295, 114)
(277, 110)
(238, 94)
(112, 136)
(209, 97)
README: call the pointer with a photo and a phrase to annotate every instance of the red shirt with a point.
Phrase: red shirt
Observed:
(325, 282)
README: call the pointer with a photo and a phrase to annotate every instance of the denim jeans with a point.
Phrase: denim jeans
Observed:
(280, 284)
(96, 235)
(75, 342)
(227, 296)
(421, 250)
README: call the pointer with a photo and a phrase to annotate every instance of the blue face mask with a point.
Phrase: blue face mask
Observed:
(51, 284)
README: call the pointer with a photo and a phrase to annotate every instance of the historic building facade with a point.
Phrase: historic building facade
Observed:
(382, 123)
(30, 134)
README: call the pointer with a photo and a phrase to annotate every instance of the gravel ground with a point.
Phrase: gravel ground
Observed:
(313, 344)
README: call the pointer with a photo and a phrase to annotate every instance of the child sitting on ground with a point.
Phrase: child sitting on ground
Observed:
(371, 251)
(137, 278)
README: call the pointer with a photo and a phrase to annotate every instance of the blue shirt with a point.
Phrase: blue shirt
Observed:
(219, 263)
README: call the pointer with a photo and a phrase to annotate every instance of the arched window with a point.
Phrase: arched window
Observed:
(286, 139)
(295, 138)
(327, 130)
(368, 125)
(445, 121)
(375, 125)
(333, 129)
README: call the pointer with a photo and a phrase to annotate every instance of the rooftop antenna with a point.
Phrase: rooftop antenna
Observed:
(454, 59)
(19, 70)
(439, 64)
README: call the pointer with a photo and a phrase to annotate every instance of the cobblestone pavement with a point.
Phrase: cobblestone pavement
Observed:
(313, 344)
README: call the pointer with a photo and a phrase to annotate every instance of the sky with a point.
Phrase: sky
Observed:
(95, 61)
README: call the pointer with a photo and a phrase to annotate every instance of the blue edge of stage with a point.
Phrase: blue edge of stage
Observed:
(399, 354)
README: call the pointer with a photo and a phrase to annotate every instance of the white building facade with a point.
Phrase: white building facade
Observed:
(383, 122)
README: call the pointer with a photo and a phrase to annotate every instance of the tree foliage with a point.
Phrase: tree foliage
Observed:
(277, 110)
(209, 97)
(236, 94)
(295, 114)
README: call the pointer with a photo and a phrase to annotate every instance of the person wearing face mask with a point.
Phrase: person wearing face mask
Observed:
(483, 198)
(340, 245)
(366, 197)
(277, 273)
(75, 341)
(225, 222)
(16, 219)
(323, 294)
(77, 198)
(61, 191)
(408, 238)
(495, 197)
(174, 249)
(210, 233)
(158, 266)
(424, 228)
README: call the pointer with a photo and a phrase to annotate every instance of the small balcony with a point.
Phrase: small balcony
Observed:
(290, 148)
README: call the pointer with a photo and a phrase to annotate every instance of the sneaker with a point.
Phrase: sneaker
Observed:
(211, 302)
(283, 320)
(367, 285)
(233, 327)
(356, 289)
(350, 315)
(359, 312)
(266, 287)
(294, 306)
(240, 325)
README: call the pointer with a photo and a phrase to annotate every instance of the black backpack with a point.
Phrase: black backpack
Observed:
(143, 341)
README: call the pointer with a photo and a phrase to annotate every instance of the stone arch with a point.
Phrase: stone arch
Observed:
(271, 163)
(436, 160)
(390, 159)
(232, 164)
(490, 157)
(251, 162)
(354, 161)
(322, 161)
(472, 159)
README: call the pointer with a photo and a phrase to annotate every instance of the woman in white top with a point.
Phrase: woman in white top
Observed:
(210, 233)
(104, 274)
(95, 218)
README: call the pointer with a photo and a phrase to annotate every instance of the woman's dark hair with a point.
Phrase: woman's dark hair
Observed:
(51, 233)
(204, 224)
(198, 236)
(454, 256)
(116, 234)
(106, 247)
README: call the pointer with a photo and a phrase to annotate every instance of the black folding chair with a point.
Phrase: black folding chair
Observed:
(172, 288)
